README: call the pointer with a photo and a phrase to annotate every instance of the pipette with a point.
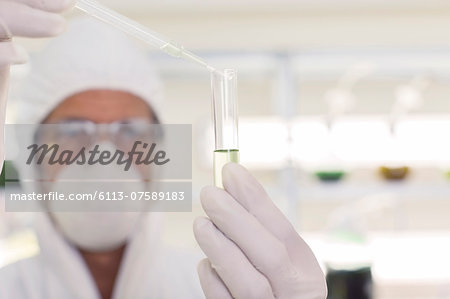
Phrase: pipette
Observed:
(223, 83)
(109, 16)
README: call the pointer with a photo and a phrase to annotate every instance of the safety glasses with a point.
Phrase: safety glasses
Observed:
(74, 134)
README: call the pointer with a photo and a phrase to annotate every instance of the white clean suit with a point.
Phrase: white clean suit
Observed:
(148, 269)
(91, 55)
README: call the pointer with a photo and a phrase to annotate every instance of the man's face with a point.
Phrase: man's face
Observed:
(101, 106)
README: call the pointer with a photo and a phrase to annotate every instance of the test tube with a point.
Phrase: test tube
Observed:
(225, 119)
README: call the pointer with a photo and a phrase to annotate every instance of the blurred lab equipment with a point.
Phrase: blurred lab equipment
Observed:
(349, 284)
(394, 173)
(408, 97)
(340, 100)
(349, 261)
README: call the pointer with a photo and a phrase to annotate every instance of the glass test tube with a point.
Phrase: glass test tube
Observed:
(225, 118)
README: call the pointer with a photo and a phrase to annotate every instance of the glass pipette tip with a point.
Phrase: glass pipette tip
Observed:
(132, 28)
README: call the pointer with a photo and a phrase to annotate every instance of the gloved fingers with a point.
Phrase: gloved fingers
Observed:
(57, 6)
(251, 195)
(267, 253)
(212, 286)
(242, 279)
(5, 33)
(25, 21)
(12, 54)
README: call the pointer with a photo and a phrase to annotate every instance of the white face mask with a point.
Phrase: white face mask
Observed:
(96, 231)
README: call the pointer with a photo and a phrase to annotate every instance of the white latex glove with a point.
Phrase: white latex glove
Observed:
(27, 18)
(253, 251)
(34, 18)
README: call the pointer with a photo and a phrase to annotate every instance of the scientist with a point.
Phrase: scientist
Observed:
(252, 250)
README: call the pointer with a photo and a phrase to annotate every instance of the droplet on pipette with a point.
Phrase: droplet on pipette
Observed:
(178, 51)
(172, 49)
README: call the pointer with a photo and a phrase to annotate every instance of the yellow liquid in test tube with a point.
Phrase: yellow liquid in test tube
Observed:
(221, 158)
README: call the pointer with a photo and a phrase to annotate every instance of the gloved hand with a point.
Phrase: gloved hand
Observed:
(27, 18)
(253, 251)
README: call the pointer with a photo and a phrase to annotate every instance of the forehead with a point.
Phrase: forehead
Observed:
(101, 106)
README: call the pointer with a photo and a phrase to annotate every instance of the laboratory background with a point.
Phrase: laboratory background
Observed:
(344, 117)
